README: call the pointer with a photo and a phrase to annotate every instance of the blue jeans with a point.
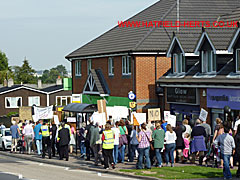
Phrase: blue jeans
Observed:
(170, 149)
(143, 152)
(158, 156)
(133, 149)
(115, 154)
(122, 151)
(226, 169)
(82, 148)
(39, 146)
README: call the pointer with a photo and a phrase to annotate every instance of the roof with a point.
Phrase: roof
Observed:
(80, 108)
(53, 88)
(232, 16)
(47, 90)
(96, 83)
(119, 39)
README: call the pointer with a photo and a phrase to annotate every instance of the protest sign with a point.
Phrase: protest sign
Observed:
(203, 115)
(154, 114)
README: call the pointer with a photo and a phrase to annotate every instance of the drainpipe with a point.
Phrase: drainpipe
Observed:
(156, 72)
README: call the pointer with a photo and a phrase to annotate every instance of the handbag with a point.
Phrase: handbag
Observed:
(151, 146)
(124, 138)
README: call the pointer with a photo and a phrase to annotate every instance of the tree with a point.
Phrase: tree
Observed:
(50, 76)
(25, 73)
(5, 70)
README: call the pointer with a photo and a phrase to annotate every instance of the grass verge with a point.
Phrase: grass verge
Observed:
(186, 172)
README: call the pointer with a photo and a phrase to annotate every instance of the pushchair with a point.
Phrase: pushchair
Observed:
(20, 145)
(210, 158)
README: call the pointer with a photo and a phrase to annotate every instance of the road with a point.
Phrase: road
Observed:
(15, 169)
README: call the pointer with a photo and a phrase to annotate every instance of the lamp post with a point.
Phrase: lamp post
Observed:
(227, 111)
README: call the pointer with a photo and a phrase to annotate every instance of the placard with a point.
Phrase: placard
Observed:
(140, 117)
(203, 115)
(154, 114)
(99, 118)
(167, 114)
(71, 119)
(56, 120)
(172, 120)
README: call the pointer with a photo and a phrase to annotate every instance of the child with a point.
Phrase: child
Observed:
(186, 143)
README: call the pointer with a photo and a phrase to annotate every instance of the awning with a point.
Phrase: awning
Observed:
(80, 108)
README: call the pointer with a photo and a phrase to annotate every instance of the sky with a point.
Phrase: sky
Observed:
(46, 31)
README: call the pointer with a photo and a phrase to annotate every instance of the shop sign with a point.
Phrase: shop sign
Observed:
(219, 98)
(182, 95)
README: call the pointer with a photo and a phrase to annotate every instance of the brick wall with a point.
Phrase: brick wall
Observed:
(118, 85)
(145, 79)
(24, 93)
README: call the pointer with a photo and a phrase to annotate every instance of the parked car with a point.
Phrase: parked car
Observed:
(5, 139)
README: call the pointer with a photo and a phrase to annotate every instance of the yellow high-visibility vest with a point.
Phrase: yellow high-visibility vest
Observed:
(108, 142)
(45, 131)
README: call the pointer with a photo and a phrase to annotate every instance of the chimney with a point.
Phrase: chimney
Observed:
(5, 83)
(39, 84)
(10, 82)
(59, 81)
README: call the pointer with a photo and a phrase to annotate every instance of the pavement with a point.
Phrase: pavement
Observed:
(75, 162)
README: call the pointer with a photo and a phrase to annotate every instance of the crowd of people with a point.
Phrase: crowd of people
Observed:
(43, 138)
(148, 144)
(155, 144)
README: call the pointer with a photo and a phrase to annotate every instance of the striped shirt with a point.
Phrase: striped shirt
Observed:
(144, 143)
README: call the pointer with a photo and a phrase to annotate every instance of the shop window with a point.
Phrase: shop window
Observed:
(208, 62)
(126, 65)
(238, 60)
(78, 68)
(89, 65)
(178, 63)
(110, 66)
(13, 102)
(34, 100)
(63, 100)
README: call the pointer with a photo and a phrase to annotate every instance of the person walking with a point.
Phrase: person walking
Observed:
(144, 139)
(108, 145)
(28, 136)
(179, 130)
(81, 137)
(95, 144)
(158, 142)
(170, 141)
(87, 139)
(53, 139)
(45, 131)
(123, 132)
(116, 142)
(133, 143)
(72, 139)
(227, 146)
(15, 135)
(38, 136)
(237, 143)
(198, 143)
(64, 139)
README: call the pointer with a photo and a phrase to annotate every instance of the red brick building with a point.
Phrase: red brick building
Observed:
(132, 59)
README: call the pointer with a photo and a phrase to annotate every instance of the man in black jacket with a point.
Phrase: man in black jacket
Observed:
(64, 139)
(53, 140)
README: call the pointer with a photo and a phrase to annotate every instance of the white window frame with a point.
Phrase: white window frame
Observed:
(89, 65)
(237, 60)
(206, 62)
(37, 104)
(78, 70)
(63, 98)
(111, 66)
(178, 64)
(126, 68)
(10, 104)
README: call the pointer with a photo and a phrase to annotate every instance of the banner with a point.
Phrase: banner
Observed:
(43, 113)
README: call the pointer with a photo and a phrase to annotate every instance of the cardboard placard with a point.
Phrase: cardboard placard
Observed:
(25, 113)
(203, 115)
(154, 114)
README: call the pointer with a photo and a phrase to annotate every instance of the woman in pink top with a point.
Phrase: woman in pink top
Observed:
(186, 144)
(72, 139)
